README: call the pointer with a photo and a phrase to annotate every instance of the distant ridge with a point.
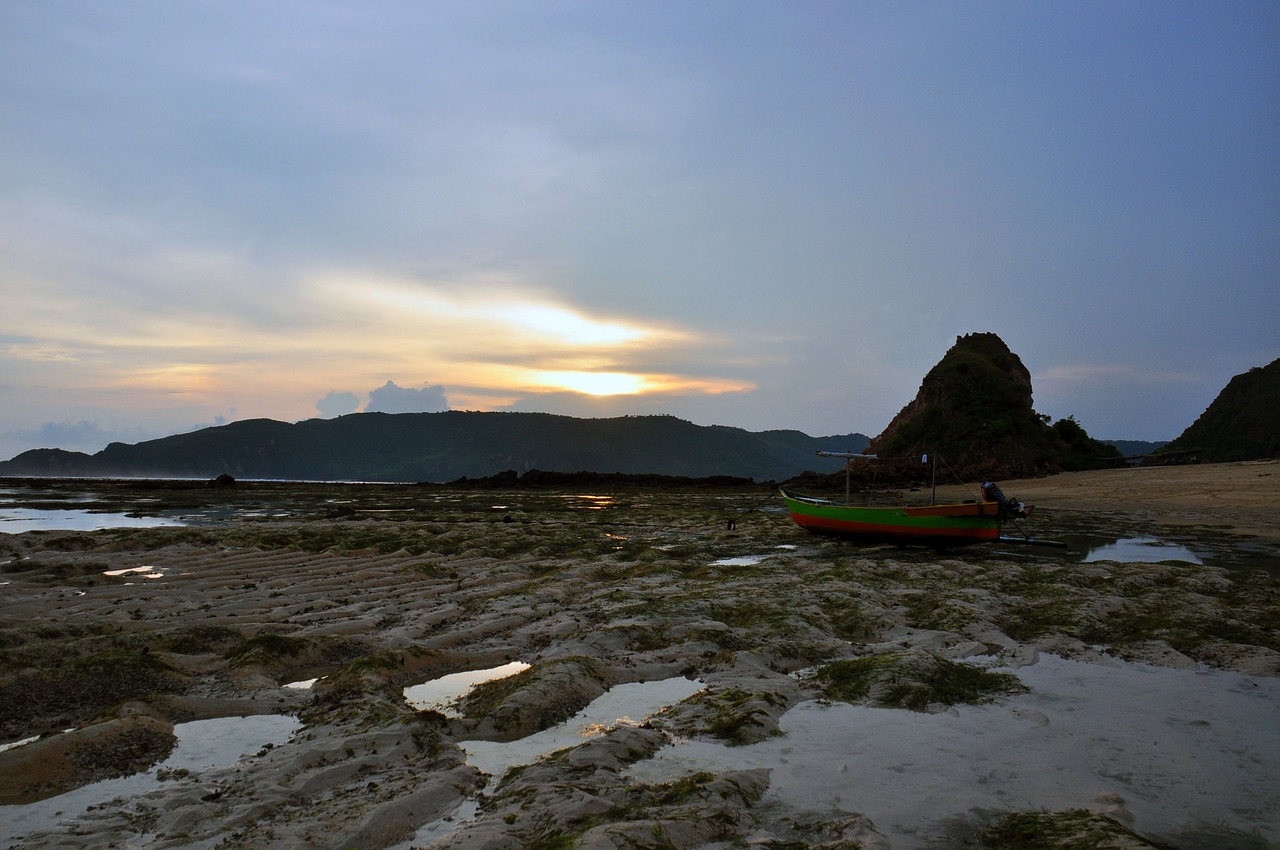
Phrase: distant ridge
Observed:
(1135, 448)
(442, 447)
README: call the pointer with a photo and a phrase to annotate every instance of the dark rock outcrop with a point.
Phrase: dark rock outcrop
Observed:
(974, 410)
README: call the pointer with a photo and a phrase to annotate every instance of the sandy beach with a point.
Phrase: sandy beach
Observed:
(690, 682)
(1242, 498)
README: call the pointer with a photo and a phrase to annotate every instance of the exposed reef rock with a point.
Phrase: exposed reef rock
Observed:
(132, 742)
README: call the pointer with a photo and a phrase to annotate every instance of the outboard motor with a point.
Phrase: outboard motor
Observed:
(1008, 507)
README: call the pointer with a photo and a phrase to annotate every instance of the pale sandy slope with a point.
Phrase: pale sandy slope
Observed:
(1241, 497)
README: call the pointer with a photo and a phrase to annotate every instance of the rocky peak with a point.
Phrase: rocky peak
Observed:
(974, 410)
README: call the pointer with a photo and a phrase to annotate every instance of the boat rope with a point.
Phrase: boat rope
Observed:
(734, 522)
(914, 458)
(957, 478)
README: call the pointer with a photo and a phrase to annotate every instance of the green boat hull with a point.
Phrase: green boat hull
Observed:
(959, 524)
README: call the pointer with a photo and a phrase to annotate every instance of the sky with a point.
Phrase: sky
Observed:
(759, 214)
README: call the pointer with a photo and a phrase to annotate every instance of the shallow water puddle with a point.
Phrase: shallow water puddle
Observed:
(629, 704)
(749, 560)
(621, 705)
(741, 561)
(19, 520)
(1145, 550)
(440, 694)
(1180, 748)
(584, 501)
(140, 572)
(202, 745)
(13, 744)
(436, 830)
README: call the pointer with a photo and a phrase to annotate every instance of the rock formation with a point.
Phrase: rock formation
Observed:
(974, 410)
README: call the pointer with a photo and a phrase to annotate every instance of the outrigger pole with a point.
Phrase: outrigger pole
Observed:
(847, 455)
(931, 457)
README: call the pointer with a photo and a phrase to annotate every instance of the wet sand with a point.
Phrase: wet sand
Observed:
(374, 588)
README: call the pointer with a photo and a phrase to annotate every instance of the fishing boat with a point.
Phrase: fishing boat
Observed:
(938, 525)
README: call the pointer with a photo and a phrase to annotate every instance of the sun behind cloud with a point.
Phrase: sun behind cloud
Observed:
(596, 383)
(569, 326)
(496, 337)
(493, 311)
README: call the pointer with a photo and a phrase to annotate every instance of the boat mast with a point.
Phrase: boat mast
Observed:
(932, 457)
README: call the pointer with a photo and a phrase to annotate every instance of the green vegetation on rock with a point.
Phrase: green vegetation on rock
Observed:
(1242, 423)
(1074, 829)
(911, 680)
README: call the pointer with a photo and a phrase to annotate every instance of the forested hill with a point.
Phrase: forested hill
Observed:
(442, 447)
(1242, 423)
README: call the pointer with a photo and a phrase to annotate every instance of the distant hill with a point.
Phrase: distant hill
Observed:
(974, 410)
(1242, 423)
(442, 447)
(1136, 448)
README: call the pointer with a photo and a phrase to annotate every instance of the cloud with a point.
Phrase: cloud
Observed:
(339, 403)
(505, 335)
(82, 436)
(623, 206)
(390, 398)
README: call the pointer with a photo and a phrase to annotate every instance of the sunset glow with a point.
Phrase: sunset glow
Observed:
(595, 383)
(275, 212)
(568, 326)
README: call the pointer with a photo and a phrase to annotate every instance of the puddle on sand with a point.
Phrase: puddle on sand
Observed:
(202, 745)
(622, 704)
(1090, 538)
(742, 561)
(140, 572)
(750, 560)
(20, 520)
(12, 744)
(428, 834)
(1177, 746)
(440, 694)
(1147, 550)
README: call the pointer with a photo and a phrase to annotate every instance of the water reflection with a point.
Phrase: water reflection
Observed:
(1179, 746)
(590, 502)
(140, 572)
(750, 560)
(19, 520)
(440, 694)
(741, 561)
(202, 745)
(621, 705)
(1148, 550)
